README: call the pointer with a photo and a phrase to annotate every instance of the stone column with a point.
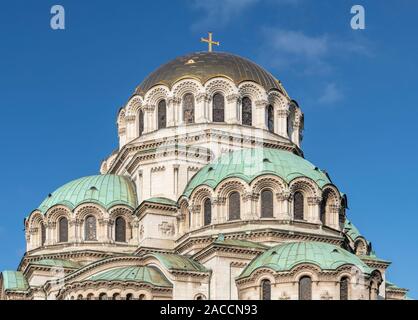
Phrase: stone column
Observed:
(314, 209)
(296, 131)
(171, 110)
(202, 108)
(282, 115)
(218, 205)
(232, 114)
(149, 124)
(260, 114)
(131, 130)
(285, 200)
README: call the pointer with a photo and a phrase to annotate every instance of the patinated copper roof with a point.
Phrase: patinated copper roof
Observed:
(206, 65)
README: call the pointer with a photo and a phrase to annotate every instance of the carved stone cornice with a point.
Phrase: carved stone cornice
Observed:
(261, 103)
(233, 98)
(202, 97)
(314, 200)
(282, 196)
(283, 113)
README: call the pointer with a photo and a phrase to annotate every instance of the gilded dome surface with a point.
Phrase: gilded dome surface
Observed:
(248, 164)
(106, 190)
(284, 257)
(206, 65)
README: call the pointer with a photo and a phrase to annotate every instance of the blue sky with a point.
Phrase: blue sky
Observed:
(60, 92)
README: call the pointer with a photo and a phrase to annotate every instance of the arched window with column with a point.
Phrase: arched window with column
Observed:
(162, 114)
(344, 282)
(218, 108)
(120, 229)
(270, 118)
(207, 212)
(90, 232)
(298, 206)
(234, 204)
(266, 203)
(305, 288)
(265, 289)
(63, 230)
(140, 122)
(247, 111)
(188, 108)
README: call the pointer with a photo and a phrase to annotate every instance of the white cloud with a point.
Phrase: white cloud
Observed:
(218, 13)
(304, 53)
(331, 94)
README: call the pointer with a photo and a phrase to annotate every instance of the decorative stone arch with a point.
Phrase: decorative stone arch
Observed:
(311, 196)
(252, 90)
(223, 192)
(330, 206)
(185, 86)
(360, 246)
(273, 182)
(53, 217)
(155, 94)
(133, 105)
(99, 213)
(198, 198)
(229, 185)
(34, 229)
(125, 213)
(278, 188)
(306, 269)
(278, 100)
(121, 121)
(221, 85)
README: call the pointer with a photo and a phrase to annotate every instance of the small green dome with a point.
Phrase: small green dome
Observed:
(135, 274)
(248, 164)
(286, 256)
(106, 190)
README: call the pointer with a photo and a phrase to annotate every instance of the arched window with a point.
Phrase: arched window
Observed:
(305, 288)
(265, 290)
(218, 108)
(63, 229)
(298, 206)
(234, 206)
(200, 297)
(323, 207)
(142, 297)
(43, 234)
(116, 296)
(344, 288)
(79, 297)
(140, 122)
(90, 296)
(103, 296)
(207, 212)
(188, 108)
(162, 114)
(270, 118)
(247, 111)
(120, 229)
(90, 229)
(129, 296)
(266, 204)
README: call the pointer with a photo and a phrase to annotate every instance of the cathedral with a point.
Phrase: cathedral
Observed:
(207, 196)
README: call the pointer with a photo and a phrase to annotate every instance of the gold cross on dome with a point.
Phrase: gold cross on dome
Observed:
(209, 41)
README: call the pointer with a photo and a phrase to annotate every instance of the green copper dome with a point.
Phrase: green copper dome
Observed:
(286, 256)
(106, 190)
(248, 164)
(136, 274)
